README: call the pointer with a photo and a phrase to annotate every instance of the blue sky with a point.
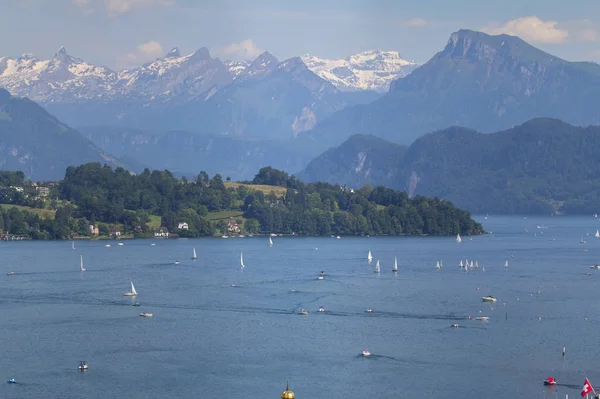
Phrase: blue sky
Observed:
(125, 33)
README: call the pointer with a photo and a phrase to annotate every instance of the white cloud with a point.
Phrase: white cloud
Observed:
(244, 50)
(414, 22)
(143, 53)
(150, 49)
(531, 29)
(118, 7)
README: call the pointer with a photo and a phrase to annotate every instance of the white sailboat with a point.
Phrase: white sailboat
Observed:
(395, 268)
(81, 265)
(133, 292)
(73, 244)
(597, 233)
(194, 253)
(460, 264)
(242, 260)
(370, 257)
(270, 242)
(458, 239)
(476, 265)
(377, 268)
(506, 264)
(437, 265)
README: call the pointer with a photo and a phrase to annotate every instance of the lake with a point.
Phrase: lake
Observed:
(208, 339)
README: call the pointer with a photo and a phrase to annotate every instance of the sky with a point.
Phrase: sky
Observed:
(126, 33)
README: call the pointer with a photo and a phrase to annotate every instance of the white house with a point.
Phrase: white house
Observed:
(182, 225)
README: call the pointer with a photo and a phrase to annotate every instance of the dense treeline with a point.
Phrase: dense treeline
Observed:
(116, 200)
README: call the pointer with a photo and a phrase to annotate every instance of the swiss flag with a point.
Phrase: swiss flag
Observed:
(587, 388)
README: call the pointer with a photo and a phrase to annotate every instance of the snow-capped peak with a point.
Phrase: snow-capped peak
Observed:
(369, 70)
(173, 53)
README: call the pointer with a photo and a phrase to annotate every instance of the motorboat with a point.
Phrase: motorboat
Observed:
(482, 318)
(107, 245)
(596, 266)
(454, 325)
(303, 312)
(321, 309)
(176, 262)
(136, 304)
(83, 365)
(10, 273)
(366, 353)
(321, 277)
(369, 310)
(120, 244)
(233, 285)
(488, 298)
(12, 381)
(146, 314)
(549, 381)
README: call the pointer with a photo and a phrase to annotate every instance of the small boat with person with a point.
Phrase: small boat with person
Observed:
(303, 312)
(549, 381)
(83, 365)
(596, 266)
(12, 381)
(321, 309)
(366, 353)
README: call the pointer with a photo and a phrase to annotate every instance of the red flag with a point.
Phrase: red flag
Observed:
(587, 388)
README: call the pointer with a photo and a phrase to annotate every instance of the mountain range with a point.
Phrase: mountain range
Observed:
(194, 112)
(542, 166)
(479, 81)
(37, 143)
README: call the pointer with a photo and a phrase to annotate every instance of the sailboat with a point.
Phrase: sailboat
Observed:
(370, 257)
(377, 268)
(242, 260)
(437, 265)
(395, 268)
(458, 239)
(133, 292)
(461, 264)
(270, 242)
(597, 233)
(506, 264)
(194, 254)
(82, 268)
(73, 244)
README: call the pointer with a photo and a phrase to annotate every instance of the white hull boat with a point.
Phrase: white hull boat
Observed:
(133, 292)
(488, 298)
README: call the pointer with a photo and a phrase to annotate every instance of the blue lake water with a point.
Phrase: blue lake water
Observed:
(208, 339)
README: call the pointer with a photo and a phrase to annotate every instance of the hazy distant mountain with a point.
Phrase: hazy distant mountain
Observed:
(541, 166)
(369, 70)
(186, 153)
(37, 143)
(360, 160)
(478, 81)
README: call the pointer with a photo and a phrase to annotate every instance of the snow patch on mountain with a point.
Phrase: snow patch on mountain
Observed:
(369, 70)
